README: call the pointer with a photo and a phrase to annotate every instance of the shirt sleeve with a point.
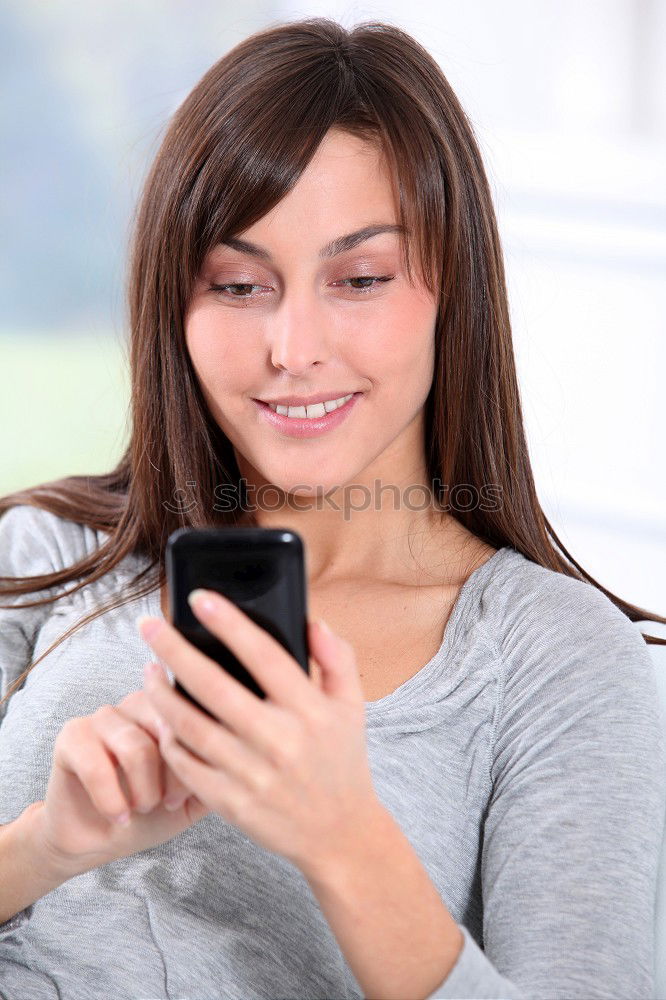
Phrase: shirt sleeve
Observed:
(27, 548)
(574, 825)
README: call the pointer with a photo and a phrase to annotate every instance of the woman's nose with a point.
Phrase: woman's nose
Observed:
(298, 340)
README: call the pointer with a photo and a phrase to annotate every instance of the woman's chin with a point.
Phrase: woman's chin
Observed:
(303, 490)
(300, 490)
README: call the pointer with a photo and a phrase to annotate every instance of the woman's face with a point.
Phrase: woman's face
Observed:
(292, 322)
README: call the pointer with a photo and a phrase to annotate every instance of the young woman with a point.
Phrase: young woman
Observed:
(465, 797)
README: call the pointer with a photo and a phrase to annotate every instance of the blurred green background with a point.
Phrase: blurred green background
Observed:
(63, 406)
(88, 92)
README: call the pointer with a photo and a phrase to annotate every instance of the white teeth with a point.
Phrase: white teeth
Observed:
(313, 410)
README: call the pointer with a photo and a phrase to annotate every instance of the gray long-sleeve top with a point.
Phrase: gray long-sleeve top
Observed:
(525, 764)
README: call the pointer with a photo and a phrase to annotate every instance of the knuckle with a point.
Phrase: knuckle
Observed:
(132, 742)
(315, 717)
(146, 804)
(71, 729)
(260, 780)
(174, 789)
(222, 691)
(287, 749)
(89, 774)
(104, 712)
(238, 807)
(112, 811)
(132, 700)
(104, 793)
(186, 728)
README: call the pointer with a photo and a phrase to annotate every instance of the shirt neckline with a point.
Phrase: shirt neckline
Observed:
(418, 680)
(422, 676)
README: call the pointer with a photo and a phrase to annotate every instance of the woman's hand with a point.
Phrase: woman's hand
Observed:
(106, 764)
(290, 770)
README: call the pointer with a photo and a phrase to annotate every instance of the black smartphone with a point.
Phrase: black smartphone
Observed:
(262, 570)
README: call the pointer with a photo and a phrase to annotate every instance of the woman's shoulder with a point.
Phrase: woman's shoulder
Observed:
(36, 541)
(575, 674)
(535, 614)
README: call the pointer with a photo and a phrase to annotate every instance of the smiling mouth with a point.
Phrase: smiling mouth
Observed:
(297, 422)
(311, 410)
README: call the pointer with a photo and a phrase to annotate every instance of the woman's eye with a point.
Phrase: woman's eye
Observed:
(367, 288)
(233, 295)
(231, 290)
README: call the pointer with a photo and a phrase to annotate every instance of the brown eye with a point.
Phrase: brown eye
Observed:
(244, 286)
(366, 277)
(242, 291)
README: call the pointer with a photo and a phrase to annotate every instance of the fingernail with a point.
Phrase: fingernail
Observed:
(123, 819)
(323, 626)
(147, 626)
(201, 600)
(173, 804)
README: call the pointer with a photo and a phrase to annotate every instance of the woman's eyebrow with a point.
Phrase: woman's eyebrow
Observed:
(332, 249)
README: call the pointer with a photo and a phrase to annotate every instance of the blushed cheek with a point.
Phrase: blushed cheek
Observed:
(411, 335)
(221, 357)
(201, 343)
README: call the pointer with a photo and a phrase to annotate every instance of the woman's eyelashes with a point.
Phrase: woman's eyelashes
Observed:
(242, 291)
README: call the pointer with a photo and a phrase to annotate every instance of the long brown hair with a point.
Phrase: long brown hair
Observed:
(233, 149)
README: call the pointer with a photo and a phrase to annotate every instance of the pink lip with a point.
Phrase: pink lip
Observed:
(302, 427)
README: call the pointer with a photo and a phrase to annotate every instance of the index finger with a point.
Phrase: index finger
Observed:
(270, 664)
(137, 707)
